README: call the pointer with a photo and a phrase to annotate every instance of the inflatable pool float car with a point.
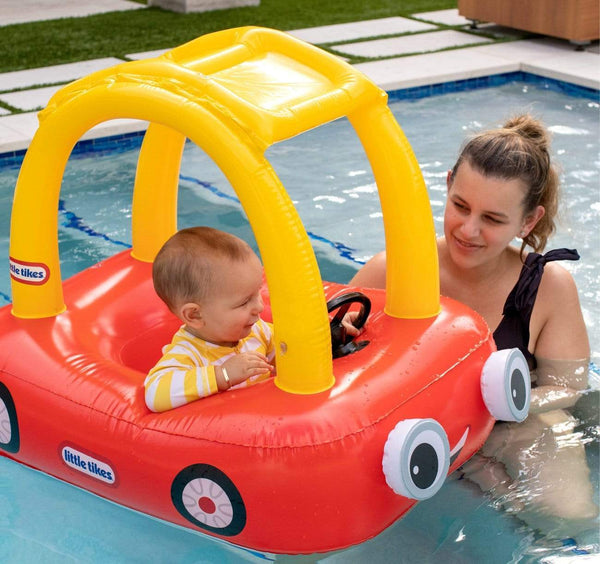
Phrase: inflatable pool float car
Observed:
(331, 451)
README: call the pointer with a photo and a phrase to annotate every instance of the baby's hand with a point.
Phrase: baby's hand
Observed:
(347, 322)
(242, 366)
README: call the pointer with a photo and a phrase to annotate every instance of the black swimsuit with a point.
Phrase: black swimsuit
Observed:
(513, 330)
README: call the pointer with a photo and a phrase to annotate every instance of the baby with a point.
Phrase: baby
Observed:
(211, 281)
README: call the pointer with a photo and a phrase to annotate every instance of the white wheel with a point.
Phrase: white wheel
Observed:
(506, 385)
(207, 502)
(416, 458)
(5, 426)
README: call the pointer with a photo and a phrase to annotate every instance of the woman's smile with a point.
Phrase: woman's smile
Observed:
(466, 246)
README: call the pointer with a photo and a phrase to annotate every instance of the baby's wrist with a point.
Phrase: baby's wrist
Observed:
(223, 379)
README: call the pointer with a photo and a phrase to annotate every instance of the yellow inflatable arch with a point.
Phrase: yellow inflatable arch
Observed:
(234, 93)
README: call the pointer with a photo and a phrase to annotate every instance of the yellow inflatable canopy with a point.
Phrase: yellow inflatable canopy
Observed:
(234, 93)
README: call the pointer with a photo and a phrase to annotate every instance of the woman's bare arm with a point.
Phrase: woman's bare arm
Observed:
(372, 274)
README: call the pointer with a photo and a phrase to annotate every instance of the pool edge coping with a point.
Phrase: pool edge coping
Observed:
(93, 138)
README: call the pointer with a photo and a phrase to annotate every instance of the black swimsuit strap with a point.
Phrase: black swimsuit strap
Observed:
(513, 330)
(523, 295)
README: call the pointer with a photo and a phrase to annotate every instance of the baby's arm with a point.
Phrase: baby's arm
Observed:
(240, 367)
(176, 381)
(348, 323)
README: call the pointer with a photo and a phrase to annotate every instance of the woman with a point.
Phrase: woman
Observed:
(504, 186)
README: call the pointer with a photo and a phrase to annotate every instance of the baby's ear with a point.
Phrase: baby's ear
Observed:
(190, 313)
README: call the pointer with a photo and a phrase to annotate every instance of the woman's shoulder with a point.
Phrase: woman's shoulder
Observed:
(372, 274)
(556, 288)
(557, 282)
(557, 324)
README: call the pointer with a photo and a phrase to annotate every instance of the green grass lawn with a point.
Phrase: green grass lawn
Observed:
(115, 34)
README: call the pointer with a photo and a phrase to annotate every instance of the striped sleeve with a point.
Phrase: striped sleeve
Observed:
(178, 379)
(264, 331)
(186, 371)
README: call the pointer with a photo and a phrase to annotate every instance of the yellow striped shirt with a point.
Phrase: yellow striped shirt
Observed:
(186, 371)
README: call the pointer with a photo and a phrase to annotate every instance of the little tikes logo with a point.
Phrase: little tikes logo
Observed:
(29, 272)
(87, 464)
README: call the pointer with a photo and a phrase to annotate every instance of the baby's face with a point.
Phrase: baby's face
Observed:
(234, 306)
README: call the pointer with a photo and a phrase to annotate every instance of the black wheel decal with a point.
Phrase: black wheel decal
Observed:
(518, 389)
(206, 497)
(9, 426)
(424, 465)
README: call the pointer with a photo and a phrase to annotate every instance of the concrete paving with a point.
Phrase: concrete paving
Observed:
(424, 52)
(410, 44)
(21, 11)
(30, 100)
(145, 54)
(445, 17)
(54, 74)
(550, 58)
(360, 30)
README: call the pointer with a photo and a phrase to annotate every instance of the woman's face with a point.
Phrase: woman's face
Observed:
(483, 215)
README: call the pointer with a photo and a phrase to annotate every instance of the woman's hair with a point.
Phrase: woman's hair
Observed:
(186, 268)
(519, 150)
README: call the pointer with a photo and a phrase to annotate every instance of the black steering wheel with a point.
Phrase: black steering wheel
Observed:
(342, 343)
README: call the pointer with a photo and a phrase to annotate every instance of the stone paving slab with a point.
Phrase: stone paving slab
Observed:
(360, 30)
(548, 57)
(146, 54)
(561, 70)
(445, 17)
(535, 49)
(54, 74)
(28, 100)
(434, 68)
(337, 32)
(22, 11)
(16, 131)
(419, 43)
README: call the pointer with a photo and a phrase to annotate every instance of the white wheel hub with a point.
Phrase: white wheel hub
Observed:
(506, 385)
(416, 458)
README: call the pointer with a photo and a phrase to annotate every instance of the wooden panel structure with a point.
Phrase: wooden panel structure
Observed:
(575, 20)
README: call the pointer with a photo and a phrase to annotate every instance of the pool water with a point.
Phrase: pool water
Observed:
(327, 176)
